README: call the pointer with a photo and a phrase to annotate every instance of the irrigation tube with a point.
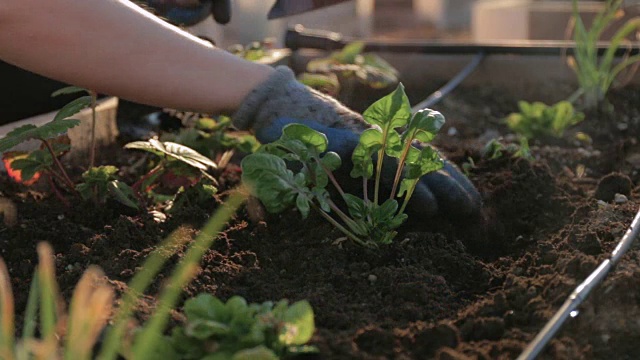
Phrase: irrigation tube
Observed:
(299, 37)
(451, 85)
(581, 292)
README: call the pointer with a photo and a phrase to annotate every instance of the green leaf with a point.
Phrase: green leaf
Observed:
(270, 180)
(390, 112)
(204, 306)
(302, 203)
(331, 161)
(428, 161)
(28, 132)
(299, 324)
(356, 206)
(349, 53)
(123, 193)
(28, 167)
(424, 126)
(202, 329)
(370, 142)
(69, 90)
(257, 353)
(176, 151)
(73, 108)
(315, 139)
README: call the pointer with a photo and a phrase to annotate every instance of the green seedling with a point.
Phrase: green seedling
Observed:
(89, 310)
(177, 166)
(538, 119)
(46, 159)
(496, 149)
(596, 74)
(252, 52)
(370, 222)
(214, 138)
(100, 182)
(351, 62)
(237, 330)
(468, 165)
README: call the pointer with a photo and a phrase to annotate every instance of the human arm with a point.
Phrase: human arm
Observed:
(114, 47)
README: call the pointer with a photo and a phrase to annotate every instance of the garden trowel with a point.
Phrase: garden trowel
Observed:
(284, 8)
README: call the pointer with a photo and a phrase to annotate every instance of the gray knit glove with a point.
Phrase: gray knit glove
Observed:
(282, 96)
(282, 100)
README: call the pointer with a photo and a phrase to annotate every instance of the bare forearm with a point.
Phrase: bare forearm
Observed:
(113, 47)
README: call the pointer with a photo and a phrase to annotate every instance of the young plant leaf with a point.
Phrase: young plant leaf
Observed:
(69, 90)
(390, 112)
(309, 137)
(424, 126)
(123, 193)
(370, 142)
(29, 131)
(73, 108)
(299, 325)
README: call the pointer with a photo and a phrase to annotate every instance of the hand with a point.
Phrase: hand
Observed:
(282, 100)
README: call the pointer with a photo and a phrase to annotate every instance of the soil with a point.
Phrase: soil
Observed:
(444, 290)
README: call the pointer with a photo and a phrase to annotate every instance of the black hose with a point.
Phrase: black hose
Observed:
(298, 37)
(452, 84)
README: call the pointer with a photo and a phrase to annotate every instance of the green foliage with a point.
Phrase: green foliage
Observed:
(351, 62)
(496, 149)
(237, 330)
(597, 74)
(539, 119)
(29, 132)
(252, 52)
(213, 137)
(100, 182)
(270, 176)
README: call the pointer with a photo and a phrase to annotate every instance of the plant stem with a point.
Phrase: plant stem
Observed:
(401, 161)
(137, 184)
(56, 192)
(407, 197)
(338, 226)
(365, 189)
(92, 150)
(65, 176)
(376, 189)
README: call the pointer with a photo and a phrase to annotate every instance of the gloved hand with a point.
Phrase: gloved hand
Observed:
(282, 100)
(190, 12)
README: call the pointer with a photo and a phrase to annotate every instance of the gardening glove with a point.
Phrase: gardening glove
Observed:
(191, 12)
(282, 100)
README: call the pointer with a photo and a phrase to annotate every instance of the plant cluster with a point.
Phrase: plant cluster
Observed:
(237, 330)
(539, 119)
(177, 167)
(349, 63)
(597, 72)
(369, 222)
(214, 330)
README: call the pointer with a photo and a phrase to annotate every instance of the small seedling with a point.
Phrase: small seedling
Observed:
(178, 165)
(237, 330)
(370, 222)
(100, 182)
(214, 138)
(538, 119)
(351, 62)
(46, 159)
(597, 74)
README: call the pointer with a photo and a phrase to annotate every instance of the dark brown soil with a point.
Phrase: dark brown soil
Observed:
(448, 291)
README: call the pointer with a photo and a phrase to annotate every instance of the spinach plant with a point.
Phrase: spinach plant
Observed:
(237, 330)
(597, 74)
(369, 222)
(539, 119)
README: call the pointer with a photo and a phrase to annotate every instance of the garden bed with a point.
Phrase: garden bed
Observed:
(446, 290)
